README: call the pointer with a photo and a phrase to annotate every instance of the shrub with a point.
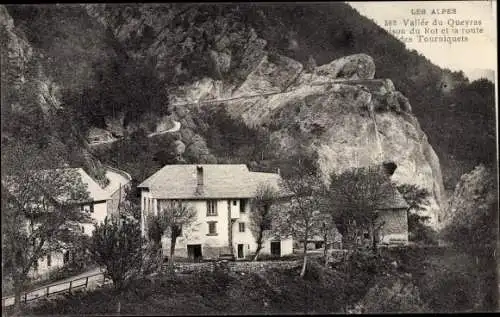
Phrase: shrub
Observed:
(117, 245)
(359, 273)
(393, 295)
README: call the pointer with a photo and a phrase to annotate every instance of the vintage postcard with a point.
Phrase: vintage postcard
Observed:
(249, 158)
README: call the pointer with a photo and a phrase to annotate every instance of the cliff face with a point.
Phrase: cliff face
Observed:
(29, 94)
(474, 194)
(348, 123)
(336, 110)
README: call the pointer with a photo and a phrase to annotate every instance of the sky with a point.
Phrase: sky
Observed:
(472, 57)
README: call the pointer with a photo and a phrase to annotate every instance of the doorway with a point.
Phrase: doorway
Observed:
(241, 253)
(276, 248)
(194, 252)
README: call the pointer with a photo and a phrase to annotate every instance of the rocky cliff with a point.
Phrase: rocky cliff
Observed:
(30, 95)
(349, 121)
(474, 195)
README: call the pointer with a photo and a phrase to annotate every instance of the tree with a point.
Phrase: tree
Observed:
(417, 198)
(39, 215)
(302, 215)
(117, 245)
(354, 197)
(174, 218)
(261, 216)
(327, 231)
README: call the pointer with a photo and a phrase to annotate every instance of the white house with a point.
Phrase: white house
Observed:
(221, 196)
(103, 201)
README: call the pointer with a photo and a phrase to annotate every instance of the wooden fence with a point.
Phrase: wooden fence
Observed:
(78, 283)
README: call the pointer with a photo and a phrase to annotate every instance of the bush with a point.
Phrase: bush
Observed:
(393, 295)
(360, 271)
(117, 245)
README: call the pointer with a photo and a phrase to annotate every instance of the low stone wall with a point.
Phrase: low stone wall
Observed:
(262, 265)
(194, 267)
(235, 266)
(337, 256)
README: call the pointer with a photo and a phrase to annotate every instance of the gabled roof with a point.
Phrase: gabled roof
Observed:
(96, 193)
(219, 181)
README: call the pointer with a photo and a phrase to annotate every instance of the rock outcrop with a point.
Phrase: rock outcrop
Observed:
(358, 66)
(28, 90)
(474, 194)
(348, 124)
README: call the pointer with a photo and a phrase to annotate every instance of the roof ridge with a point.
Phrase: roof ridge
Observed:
(153, 177)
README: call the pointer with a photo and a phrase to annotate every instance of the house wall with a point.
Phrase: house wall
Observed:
(98, 216)
(213, 245)
(100, 211)
(247, 238)
(114, 201)
(148, 206)
(394, 226)
(43, 270)
(198, 232)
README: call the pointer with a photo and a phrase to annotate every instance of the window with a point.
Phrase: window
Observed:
(242, 205)
(212, 208)
(235, 202)
(242, 226)
(49, 260)
(87, 208)
(212, 228)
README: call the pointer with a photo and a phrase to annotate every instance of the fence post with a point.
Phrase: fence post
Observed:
(25, 297)
(103, 279)
(70, 284)
(87, 282)
(48, 291)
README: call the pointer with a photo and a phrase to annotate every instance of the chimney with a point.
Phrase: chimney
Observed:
(388, 168)
(199, 179)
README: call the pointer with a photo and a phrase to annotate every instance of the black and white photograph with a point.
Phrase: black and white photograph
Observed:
(249, 158)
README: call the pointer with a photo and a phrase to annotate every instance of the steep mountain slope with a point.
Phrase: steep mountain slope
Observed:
(31, 105)
(134, 70)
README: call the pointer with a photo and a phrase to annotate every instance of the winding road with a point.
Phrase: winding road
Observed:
(175, 128)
